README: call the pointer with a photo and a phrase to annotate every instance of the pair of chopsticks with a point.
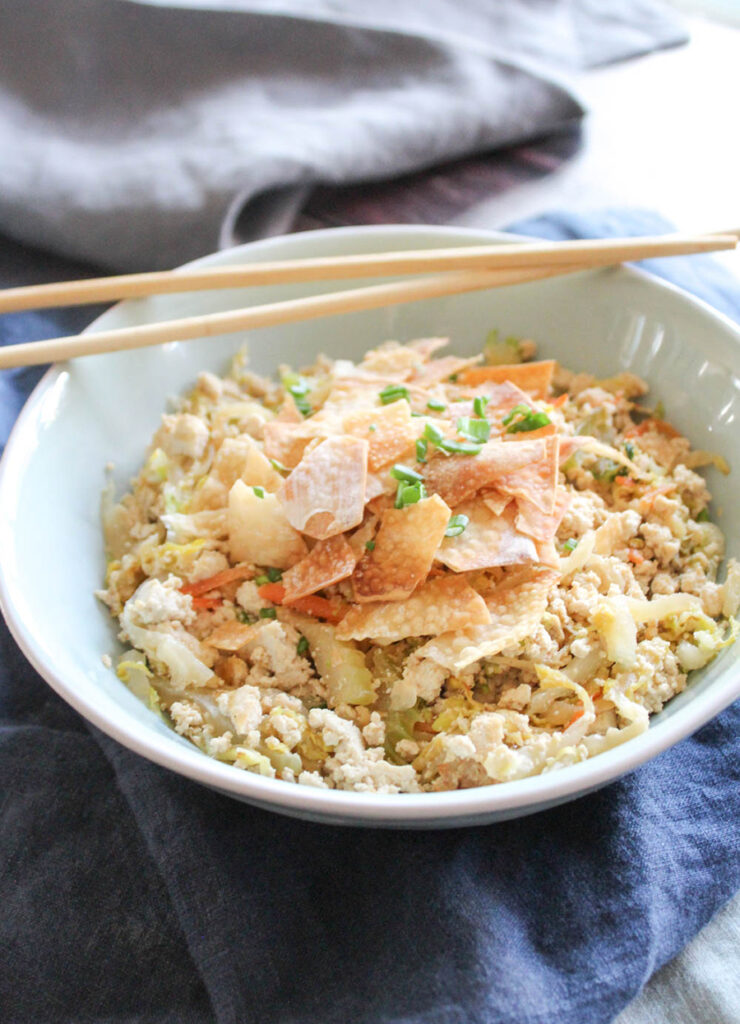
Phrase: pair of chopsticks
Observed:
(455, 270)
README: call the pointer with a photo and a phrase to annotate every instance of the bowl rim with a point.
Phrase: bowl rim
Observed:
(446, 807)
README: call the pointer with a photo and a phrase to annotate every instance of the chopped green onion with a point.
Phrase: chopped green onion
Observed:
(268, 613)
(296, 386)
(409, 494)
(418, 415)
(453, 377)
(571, 544)
(435, 405)
(703, 516)
(629, 449)
(479, 405)
(370, 545)
(456, 525)
(278, 466)
(431, 433)
(460, 447)
(399, 472)
(474, 430)
(449, 447)
(421, 450)
(393, 393)
(274, 575)
(262, 579)
(259, 491)
(522, 418)
(373, 427)
(606, 470)
(244, 617)
(302, 646)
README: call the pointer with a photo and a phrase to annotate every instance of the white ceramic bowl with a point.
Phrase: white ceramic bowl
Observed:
(105, 408)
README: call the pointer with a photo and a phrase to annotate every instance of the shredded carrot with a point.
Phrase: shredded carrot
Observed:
(624, 481)
(274, 592)
(659, 426)
(239, 572)
(320, 608)
(635, 556)
(207, 603)
(648, 500)
(560, 400)
(578, 714)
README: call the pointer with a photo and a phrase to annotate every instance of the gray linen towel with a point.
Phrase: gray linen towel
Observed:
(134, 134)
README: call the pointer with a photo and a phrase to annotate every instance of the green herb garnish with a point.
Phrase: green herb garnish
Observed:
(571, 544)
(409, 476)
(460, 447)
(606, 471)
(629, 449)
(456, 525)
(244, 617)
(474, 430)
(522, 418)
(435, 437)
(268, 613)
(431, 433)
(479, 405)
(259, 491)
(421, 450)
(302, 646)
(703, 516)
(370, 545)
(274, 575)
(435, 405)
(393, 393)
(278, 466)
(296, 386)
(409, 493)
(262, 579)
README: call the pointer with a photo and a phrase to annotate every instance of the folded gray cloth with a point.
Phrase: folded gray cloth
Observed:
(135, 134)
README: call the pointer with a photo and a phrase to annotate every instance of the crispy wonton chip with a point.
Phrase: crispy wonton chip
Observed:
(242, 458)
(458, 477)
(501, 399)
(287, 441)
(259, 531)
(325, 493)
(231, 635)
(426, 347)
(441, 604)
(534, 378)
(515, 613)
(388, 429)
(495, 500)
(486, 541)
(538, 524)
(328, 562)
(392, 359)
(404, 550)
(441, 369)
(537, 481)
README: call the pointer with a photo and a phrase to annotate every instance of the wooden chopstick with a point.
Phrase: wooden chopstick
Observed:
(349, 301)
(592, 252)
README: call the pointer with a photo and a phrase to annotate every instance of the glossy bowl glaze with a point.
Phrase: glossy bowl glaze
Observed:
(102, 409)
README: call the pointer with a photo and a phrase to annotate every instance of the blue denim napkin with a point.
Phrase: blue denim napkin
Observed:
(131, 894)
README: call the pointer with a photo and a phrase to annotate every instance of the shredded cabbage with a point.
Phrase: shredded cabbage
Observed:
(613, 619)
(182, 665)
